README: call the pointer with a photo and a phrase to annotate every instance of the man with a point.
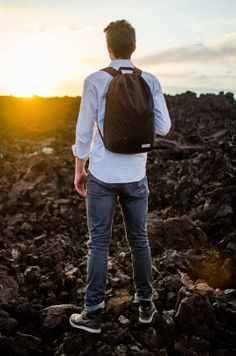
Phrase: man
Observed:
(111, 175)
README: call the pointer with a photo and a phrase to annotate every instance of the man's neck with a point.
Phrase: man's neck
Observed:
(121, 59)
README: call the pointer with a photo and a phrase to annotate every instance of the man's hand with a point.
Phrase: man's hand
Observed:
(80, 180)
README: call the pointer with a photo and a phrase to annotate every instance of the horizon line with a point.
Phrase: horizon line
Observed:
(220, 92)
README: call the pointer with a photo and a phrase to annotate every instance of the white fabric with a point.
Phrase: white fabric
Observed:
(105, 165)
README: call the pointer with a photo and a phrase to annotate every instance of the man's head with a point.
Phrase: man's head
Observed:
(121, 39)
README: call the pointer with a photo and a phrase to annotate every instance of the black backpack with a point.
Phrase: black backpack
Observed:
(129, 117)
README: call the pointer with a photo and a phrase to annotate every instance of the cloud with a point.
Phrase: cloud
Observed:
(221, 49)
(198, 82)
(32, 31)
(199, 76)
(30, 19)
(68, 29)
(65, 29)
(36, 27)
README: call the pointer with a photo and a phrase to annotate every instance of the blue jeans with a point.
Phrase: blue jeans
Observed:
(101, 201)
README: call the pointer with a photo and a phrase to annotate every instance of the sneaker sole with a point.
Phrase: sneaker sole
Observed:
(90, 330)
(147, 321)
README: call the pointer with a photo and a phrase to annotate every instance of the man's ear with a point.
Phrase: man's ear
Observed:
(109, 49)
(111, 54)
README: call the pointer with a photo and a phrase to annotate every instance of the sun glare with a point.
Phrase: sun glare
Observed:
(30, 88)
(31, 73)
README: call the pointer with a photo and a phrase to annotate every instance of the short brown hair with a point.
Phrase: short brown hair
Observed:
(121, 38)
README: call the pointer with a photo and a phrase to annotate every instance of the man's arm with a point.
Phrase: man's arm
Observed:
(162, 118)
(84, 134)
(80, 179)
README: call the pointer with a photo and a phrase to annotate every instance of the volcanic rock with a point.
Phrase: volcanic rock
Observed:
(56, 315)
(118, 303)
(24, 344)
(8, 287)
(191, 225)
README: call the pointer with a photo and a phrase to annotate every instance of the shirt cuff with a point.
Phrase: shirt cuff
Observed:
(77, 153)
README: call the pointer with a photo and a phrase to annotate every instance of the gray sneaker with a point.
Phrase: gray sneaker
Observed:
(89, 321)
(147, 310)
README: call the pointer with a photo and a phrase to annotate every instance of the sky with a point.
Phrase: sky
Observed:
(48, 47)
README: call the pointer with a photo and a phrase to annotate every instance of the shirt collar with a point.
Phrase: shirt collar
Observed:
(117, 63)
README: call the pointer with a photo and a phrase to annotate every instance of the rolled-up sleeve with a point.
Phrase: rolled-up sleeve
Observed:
(161, 113)
(86, 120)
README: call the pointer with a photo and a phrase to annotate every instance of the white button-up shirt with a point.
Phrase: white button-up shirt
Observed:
(105, 165)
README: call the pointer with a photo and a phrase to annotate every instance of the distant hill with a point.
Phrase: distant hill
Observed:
(38, 117)
(36, 114)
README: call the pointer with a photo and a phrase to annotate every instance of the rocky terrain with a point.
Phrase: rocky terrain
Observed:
(191, 223)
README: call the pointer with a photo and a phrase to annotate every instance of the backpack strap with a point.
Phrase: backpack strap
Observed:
(110, 70)
(137, 71)
(113, 72)
(100, 134)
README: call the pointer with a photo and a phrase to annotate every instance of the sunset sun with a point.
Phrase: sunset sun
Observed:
(31, 73)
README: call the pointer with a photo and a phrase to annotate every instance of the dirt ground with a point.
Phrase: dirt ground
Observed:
(191, 224)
